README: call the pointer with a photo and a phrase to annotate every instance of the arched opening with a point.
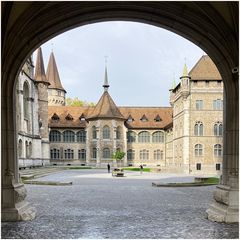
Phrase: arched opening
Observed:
(182, 18)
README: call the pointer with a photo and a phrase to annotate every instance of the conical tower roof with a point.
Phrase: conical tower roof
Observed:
(185, 71)
(53, 75)
(40, 75)
(106, 108)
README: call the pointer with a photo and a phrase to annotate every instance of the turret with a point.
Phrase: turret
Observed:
(185, 78)
(56, 92)
(42, 85)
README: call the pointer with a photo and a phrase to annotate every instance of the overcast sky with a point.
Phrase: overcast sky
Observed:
(142, 61)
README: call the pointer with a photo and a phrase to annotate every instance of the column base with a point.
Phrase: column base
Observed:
(225, 207)
(20, 213)
(14, 205)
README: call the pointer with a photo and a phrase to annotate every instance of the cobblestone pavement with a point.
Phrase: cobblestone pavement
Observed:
(98, 205)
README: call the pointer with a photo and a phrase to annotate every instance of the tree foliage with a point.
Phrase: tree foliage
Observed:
(118, 155)
(77, 102)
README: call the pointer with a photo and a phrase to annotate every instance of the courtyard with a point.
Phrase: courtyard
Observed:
(98, 205)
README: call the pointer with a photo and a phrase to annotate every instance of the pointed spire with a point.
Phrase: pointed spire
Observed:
(39, 69)
(185, 71)
(53, 75)
(106, 85)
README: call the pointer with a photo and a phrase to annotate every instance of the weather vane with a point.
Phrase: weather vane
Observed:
(106, 57)
(52, 46)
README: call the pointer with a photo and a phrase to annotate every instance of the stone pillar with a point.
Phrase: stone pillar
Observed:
(225, 207)
(88, 150)
(99, 148)
(14, 206)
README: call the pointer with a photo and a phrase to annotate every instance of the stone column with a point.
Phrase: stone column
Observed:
(88, 150)
(225, 207)
(99, 148)
(14, 206)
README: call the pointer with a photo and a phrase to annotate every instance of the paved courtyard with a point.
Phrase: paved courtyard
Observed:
(98, 205)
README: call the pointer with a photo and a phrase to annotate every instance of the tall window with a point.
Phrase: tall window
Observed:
(131, 136)
(68, 154)
(106, 153)
(218, 150)
(81, 136)
(29, 149)
(199, 104)
(158, 154)
(55, 136)
(198, 129)
(158, 137)
(82, 154)
(106, 132)
(94, 132)
(144, 136)
(218, 129)
(25, 100)
(218, 104)
(118, 133)
(130, 154)
(68, 136)
(20, 146)
(218, 166)
(26, 149)
(144, 154)
(94, 153)
(55, 153)
(198, 150)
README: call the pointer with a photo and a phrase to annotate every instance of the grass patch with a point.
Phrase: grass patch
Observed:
(138, 169)
(79, 167)
(212, 180)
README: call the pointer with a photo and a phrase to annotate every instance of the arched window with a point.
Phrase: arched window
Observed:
(106, 132)
(144, 154)
(130, 154)
(20, 146)
(218, 150)
(68, 154)
(118, 133)
(29, 149)
(158, 154)
(144, 136)
(131, 136)
(68, 136)
(94, 132)
(82, 154)
(158, 137)
(218, 129)
(81, 136)
(55, 136)
(94, 153)
(106, 153)
(25, 100)
(198, 129)
(26, 149)
(198, 150)
(55, 153)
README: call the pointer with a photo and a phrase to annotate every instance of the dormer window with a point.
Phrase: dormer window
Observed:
(82, 118)
(55, 117)
(69, 117)
(144, 118)
(130, 118)
(157, 118)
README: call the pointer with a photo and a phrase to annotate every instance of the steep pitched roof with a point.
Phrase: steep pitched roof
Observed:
(205, 69)
(165, 113)
(40, 75)
(106, 108)
(62, 112)
(136, 113)
(53, 75)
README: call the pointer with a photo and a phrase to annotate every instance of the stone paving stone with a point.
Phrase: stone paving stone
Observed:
(98, 205)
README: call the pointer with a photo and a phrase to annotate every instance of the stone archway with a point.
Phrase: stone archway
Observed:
(213, 26)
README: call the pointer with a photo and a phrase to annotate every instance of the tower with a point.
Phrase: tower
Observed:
(42, 85)
(56, 92)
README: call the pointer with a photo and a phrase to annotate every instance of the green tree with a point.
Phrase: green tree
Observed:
(77, 102)
(118, 155)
